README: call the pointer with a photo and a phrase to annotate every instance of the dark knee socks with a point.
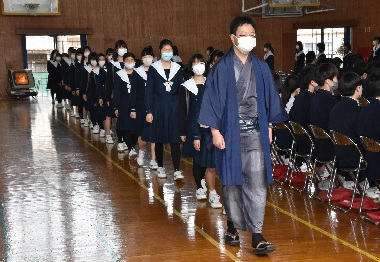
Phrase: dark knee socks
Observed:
(198, 173)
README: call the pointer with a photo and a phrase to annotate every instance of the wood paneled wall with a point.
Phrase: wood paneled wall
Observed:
(191, 25)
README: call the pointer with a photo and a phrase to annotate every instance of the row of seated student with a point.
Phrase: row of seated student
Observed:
(319, 95)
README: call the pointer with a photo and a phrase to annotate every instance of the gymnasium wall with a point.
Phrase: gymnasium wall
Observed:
(191, 25)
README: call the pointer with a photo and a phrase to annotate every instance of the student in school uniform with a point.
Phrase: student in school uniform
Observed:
(369, 127)
(94, 78)
(124, 93)
(68, 61)
(72, 72)
(321, 57)
(299, 58)
(163, 108)
(101, 88)
(114, 66)
(289, 92)
(324, 101)
(147, 57)
(77, 95)
(195, 145)
(52, 67)
(83, 107)
(375, 49)
(269, 56)
(58, 80)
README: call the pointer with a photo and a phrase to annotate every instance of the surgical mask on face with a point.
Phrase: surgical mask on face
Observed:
(297, 47)
(79, 57)
(102, 63)
(130, 65)
(246, 44)
(199, 69)
(147, 61)
(72, 56)
(58, 59)
(316, 88)
(86, 54)
(94, 63)
(374, 42)
(167, 56)
(334, 86)
(109, 58)
(122, 51)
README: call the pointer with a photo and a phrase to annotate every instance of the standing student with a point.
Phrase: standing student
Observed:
(72, 72)
(299, 57)
(115, 65)
(240, 104)
(163, 109)
(375, 49)
(69, 60)
(147, 57)
(77, 95)
(58, 80)
(214, 57)
(347, 53)
(83, 106)
(52, 67)
(195, 145)
(269, 56)
(321, 57)
(104, 64)
(124, 95)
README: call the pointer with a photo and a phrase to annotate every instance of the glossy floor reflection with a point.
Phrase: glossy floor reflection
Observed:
(67, 196)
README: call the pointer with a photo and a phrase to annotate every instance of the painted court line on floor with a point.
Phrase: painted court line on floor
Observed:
(157, 197)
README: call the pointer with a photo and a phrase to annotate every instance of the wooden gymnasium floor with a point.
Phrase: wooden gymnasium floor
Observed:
(67, 196)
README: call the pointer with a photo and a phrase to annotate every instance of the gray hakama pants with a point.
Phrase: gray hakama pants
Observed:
(245, 205)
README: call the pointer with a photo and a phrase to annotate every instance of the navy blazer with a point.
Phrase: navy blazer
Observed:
(321, 106)
(300, 112)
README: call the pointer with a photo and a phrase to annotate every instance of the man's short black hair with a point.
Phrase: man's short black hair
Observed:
(348, 83)
(306, 75)
(310, 57)
(321, 47)
(373, 85)
(324, 72)
(239, 21)
(361, 68)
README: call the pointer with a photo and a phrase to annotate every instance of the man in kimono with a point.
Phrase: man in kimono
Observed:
(240, 105)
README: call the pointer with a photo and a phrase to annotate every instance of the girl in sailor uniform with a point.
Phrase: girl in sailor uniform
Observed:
(269, 56)
(65, 75)
(115, 65)
(77, 95)
(72, 89)
(123, 102)
(100, 87)
(299, 58)
(83, 107)
(195, 145)
(94, 78)
(58, 80)
(85, 78)
(163, 108)
(147, 57)
(52, 67)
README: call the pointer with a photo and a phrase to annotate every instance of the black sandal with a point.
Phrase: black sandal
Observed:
(232, 239)
(264, 247)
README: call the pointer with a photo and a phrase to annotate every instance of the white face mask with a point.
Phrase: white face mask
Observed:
(58, 59)
(374, 42)
(246, 44)
(94, 63)
(147, 61)
(122, 51)
(265, 49)
(79, 57)
(199, 69)
(72, 56)
(102, 63)
(86, 54)
(297, 47)
(109, 58)
(130, 65)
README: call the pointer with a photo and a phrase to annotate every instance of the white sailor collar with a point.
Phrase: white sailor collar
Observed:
(96, 70)
(141, 71)
(116, 64)
(174, 68)
(54, 63)
(191, 85)
(123, 75)
(268, 54)
(67, 60)
(88, 68)
(298, 54)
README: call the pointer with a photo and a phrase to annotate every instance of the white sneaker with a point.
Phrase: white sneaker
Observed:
(120, 147)
(132, 153)
(109, 139)
(213, 198)
(153, 164)
(59, 105)
(85, 123)
(102, 133)
(77, 115)
(72, 114)
(95, 129)
(91, 125)
(82, 121)
(161, 172)
(125, 146)
(201, 194)
(178, 175)
(140, 158)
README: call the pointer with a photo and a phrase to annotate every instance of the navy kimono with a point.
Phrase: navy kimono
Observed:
(124, 92)
(220, 110)
(321, 106)
(369, 126)
(162, 101)
(140, 98)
